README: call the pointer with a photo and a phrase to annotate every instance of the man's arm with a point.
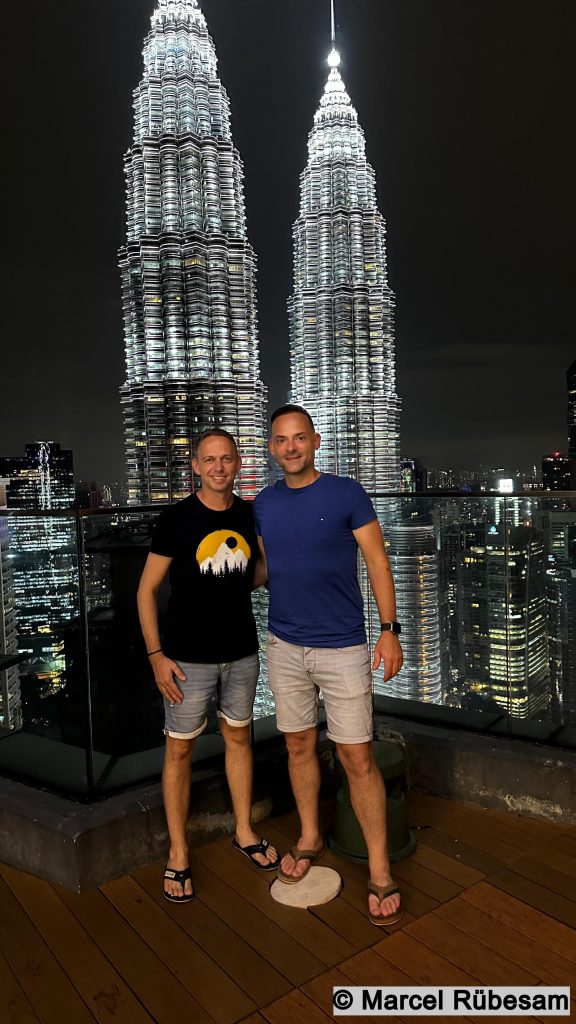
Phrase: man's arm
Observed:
(260, 567)
(164, 668)
(371, 543)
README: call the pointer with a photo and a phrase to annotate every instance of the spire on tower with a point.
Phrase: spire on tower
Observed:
(333, 56)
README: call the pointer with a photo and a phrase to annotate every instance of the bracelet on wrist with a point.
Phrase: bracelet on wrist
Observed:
(157, 651)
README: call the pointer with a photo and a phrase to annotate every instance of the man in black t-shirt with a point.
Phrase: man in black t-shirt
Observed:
(208, 546)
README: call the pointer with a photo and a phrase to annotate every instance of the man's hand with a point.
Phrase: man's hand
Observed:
(164, 671)
(389, 651)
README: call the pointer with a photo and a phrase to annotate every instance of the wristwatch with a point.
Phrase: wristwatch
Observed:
(391, 627)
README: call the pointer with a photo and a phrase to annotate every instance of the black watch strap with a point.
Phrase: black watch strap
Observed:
(391, 627)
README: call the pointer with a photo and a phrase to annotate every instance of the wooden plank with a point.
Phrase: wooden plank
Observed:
(462, 851)
(251, 971)
(254, 1018)
(471, 956)
(449, 867)
(367, 968)
(320, 991)
(510, 943)
(295, 1008)
(510, 911)
(285, 954)
(104, 991)
(535, 895)
(311, 933)
(461, 819)
(154, 985)
(565, 844)
(14, 1006)
(554, 871)
(197, 973)
(348, 922)
(47, 987)
(505, 826)
(428, 882)
(424, 965)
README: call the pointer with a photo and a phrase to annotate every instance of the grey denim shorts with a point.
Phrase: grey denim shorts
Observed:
(343, 674)
(233, 683)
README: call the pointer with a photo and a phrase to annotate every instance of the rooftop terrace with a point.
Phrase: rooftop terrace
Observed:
(490, 899)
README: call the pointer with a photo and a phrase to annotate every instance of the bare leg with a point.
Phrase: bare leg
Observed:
(239, 772)
(368, 797)
(304, 769)
(176, 790)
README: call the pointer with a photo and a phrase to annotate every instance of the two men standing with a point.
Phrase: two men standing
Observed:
(309, 528)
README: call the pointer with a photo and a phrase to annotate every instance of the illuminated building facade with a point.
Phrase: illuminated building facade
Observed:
(342, 309)
(571, 383)
(188, 270)
(43, 554)
(504, 656)
(341, 317)
(556, 472)
(10, 703)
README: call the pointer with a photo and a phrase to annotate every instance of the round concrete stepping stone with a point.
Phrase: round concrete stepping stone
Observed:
(319, 886)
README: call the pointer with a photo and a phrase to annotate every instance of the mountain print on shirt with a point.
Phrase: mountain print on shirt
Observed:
(222, 552)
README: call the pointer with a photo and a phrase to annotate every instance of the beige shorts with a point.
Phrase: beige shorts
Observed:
(344, 676)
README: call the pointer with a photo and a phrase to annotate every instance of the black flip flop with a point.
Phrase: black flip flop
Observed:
(179, 876)
(260, 847)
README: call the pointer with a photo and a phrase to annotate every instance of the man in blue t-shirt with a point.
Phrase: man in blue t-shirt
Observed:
(310, 526)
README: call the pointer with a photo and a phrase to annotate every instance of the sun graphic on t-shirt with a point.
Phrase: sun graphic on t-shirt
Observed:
(223, 551)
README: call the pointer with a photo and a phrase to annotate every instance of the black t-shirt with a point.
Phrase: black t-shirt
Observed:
(209, 617)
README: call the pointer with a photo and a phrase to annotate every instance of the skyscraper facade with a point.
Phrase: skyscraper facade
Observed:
(10, 702)
(342, 309)
(43, 554)
(341, 317)
(188, 270)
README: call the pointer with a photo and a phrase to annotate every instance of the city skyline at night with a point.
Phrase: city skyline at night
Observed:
(463, 111)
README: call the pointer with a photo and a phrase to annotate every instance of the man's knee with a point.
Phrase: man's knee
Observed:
(357, 759)
(235, 736)
(179, 751)
(301, 744)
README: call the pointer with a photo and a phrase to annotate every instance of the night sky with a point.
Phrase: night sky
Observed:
(468, 109)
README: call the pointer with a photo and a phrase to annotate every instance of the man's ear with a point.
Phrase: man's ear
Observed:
(317, 440)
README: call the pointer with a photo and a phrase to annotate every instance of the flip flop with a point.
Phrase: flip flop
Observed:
(260, 847)
(382, 891)
(296, 854)
(179, 876)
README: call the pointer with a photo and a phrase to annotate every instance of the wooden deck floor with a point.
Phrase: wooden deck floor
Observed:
(490, 899)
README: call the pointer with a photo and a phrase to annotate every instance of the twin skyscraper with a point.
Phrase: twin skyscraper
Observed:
(189, 281)
(190, 321)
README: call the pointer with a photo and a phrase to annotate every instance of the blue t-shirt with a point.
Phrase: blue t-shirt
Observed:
(315, 598)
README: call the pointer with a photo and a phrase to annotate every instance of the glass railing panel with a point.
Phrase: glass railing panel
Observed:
(127, 707)
(45, 726)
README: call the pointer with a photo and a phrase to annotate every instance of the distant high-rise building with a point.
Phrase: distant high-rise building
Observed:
(343, 369)
(43, 553)
(503, 639)
(10, 702)
(556, 472)
(188, 270)
(571, 383)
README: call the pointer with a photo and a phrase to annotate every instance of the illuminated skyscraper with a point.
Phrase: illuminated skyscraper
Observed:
(44, 566)
(342, 309)
(188, 270)
(10, 703)
(342, 364)
(503, 627)
(571, 383)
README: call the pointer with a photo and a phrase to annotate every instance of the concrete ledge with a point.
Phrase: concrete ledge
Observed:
(80, 846)
(512, 775)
